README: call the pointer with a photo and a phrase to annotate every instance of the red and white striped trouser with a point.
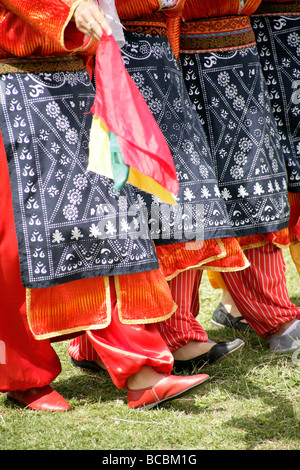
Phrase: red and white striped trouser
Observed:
(260, 291)
(182, 327)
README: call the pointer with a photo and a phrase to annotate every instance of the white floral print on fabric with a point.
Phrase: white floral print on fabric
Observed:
(70, 222)
(229, 92)
(278, 43)
(154, 69)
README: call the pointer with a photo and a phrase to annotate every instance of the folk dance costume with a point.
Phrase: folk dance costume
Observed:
(224, 78)
(58, 276)
(276, 28)
(183, 245)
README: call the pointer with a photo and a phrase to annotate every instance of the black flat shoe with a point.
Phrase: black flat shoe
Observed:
(216, 354)
(222, 318)
(87, 365)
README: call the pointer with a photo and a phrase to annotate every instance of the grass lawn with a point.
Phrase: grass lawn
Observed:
(251, 402)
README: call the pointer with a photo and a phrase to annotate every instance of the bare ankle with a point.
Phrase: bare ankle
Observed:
(100, 363)
(229, 304)
(284, 327)
(192, 350)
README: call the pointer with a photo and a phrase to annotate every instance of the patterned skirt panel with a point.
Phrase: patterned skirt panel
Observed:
(278, 44)
(201, 211)
(224, 79)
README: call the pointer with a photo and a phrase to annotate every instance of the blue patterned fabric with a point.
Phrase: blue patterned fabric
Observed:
(201, 211)
(70, 223)
(230, 95)
(278, 43)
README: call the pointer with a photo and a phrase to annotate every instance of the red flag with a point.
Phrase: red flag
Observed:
(119, 103)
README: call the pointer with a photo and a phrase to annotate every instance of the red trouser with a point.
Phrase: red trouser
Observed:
(124, 349)
(260, 291)
(178, 330)
(24, 362)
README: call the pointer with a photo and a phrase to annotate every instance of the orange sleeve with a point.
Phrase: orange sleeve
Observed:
(136, 8)
(48, 18)
(31, 28)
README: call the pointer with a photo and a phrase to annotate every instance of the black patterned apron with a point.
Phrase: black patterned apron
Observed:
(278, 44)
(70, 223)
(224, 79)
(201, 212)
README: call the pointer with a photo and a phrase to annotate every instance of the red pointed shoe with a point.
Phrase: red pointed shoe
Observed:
(44, 399)
(168, 388)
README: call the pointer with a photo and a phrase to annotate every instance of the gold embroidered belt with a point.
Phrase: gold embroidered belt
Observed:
(41, 64)
(155, 25)
(216, 34)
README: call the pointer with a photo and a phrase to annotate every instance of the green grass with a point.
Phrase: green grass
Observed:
(251, 402)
